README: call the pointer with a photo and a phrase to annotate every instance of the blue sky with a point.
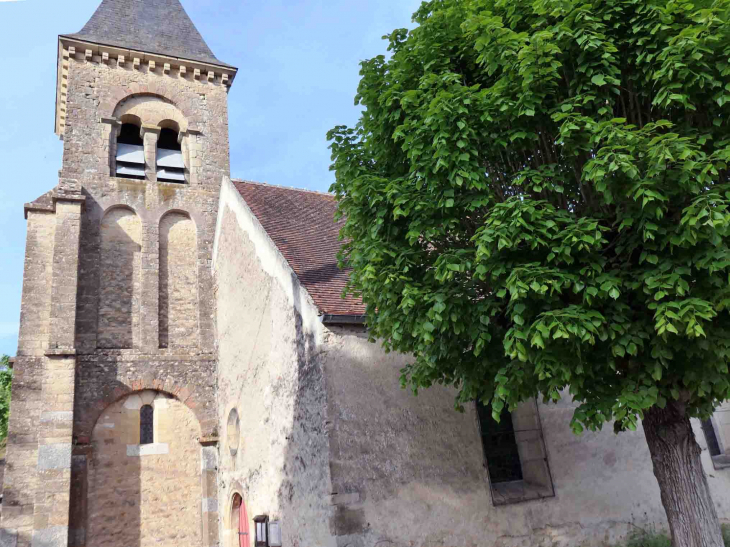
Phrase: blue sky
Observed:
(298, 74)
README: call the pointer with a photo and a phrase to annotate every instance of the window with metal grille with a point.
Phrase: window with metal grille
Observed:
(146, 425)
(500, 446)
(515, 454)
(130, 152)
(170, 165)
(712, 443)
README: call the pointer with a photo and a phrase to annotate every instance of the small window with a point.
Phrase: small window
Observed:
(170, 165)
(500, 446)
(713, 430)
(146, 425)
(712, 443)
(130, 152)
(515, 455)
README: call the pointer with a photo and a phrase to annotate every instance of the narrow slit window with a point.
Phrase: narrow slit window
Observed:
(515, 455)
(712, 443)
(170, 165)
(130, 153)
(146, 425)
(500, 446)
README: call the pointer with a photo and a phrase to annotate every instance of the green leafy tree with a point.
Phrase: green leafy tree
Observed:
(6, 377)
(537, 199)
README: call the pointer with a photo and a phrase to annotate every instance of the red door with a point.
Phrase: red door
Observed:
(243, 537)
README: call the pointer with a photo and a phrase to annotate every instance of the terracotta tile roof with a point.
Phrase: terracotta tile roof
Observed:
(301, 224)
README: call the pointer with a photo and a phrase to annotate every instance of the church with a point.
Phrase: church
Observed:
(188, 373)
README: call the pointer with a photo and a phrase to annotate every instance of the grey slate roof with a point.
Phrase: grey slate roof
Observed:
(151, 26)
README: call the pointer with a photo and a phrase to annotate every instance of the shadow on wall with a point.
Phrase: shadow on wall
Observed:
(127, 486)
(306, 473)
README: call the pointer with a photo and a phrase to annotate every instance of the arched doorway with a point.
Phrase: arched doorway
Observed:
(239, 523)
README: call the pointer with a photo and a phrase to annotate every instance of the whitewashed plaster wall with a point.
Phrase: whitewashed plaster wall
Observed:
(331, 445)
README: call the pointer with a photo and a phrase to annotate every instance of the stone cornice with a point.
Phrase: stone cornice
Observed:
(98, 53)
(68, 190)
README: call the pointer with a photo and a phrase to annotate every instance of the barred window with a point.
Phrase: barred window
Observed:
(500, 446)
(146, 427)
(515, 454)
(712, 443)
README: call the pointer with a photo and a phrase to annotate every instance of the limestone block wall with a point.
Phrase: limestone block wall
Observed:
(270, 373)
(35, 311)
(160, 233)
(121, 283)
(148, 494)
(21, 480)
(91, 314)
(178, 282)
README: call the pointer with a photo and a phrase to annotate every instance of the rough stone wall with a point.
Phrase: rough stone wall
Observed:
(145, 495)
(270, 373)
(20, 479)
(401, 470)
(35, 311)
(120, 286)
(178, 282)
(408, 471)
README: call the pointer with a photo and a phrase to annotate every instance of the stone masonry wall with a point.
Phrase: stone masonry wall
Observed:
(145, 495)
(20, 479)
(327, 435)
(408, 471)
(109, 345)
(178, 282)
(270, 373)
(121, 272)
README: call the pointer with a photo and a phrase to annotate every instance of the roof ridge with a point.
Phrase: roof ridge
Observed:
(244, 181)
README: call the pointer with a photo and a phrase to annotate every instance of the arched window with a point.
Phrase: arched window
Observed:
(170, 165)
(130, 152)
(146, 427)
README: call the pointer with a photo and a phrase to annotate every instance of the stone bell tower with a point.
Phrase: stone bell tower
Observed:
(113, 429)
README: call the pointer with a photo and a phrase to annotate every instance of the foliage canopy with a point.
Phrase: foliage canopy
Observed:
(6, 377)
(537, 197)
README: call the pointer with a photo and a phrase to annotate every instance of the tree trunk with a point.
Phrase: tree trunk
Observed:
(685, 493)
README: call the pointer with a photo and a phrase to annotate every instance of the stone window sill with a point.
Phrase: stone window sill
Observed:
(504, 493)
(154, 449)
(721, 462)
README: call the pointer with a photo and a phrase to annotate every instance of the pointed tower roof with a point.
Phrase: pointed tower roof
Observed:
(161, 27)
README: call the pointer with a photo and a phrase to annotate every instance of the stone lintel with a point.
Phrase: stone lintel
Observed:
(39, 208)
(147, 128)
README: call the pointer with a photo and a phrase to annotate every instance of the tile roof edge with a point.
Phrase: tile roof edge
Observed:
(257, 224)
(269, 185)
